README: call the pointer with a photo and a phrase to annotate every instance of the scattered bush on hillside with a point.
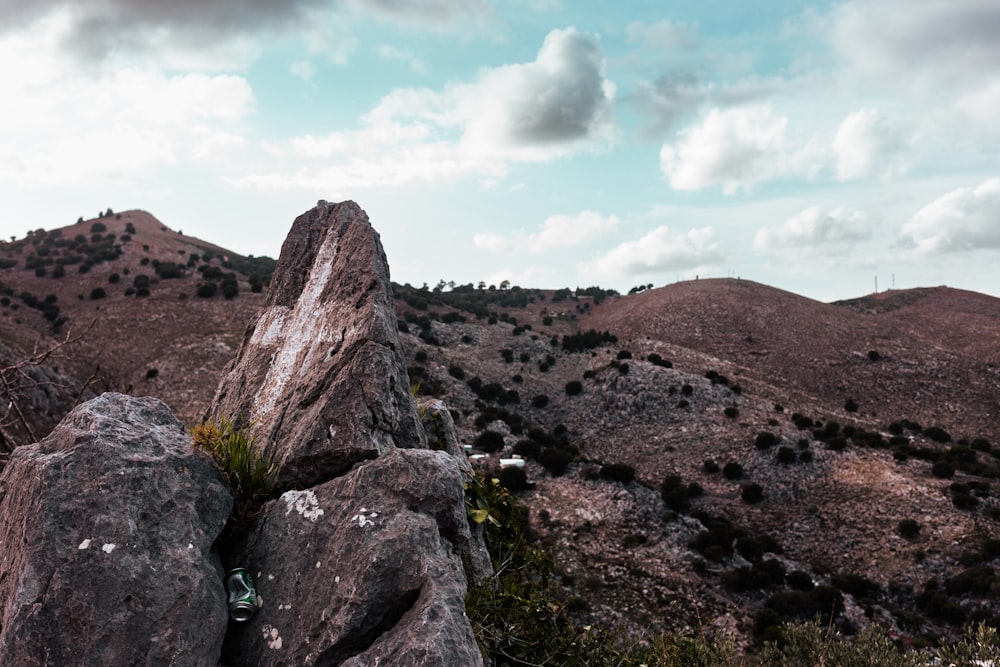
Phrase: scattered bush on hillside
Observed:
(230, 286)
(943, 470)
(207, 290)
(152, 373)
(617, 472)
(574, 388)
(851, 405)
(555, 460)
(937, 434)
(731, 412)
(657, 360)
(489, 441)
(587, 340)
(540, 401)
(786, 455)
(752, 493)
(97, 293)
(711, 466)
(732, 470)
(764, 440)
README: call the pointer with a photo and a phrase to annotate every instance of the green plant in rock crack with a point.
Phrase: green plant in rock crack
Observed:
(251, 475)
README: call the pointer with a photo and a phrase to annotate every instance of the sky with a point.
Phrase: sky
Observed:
(822, 148)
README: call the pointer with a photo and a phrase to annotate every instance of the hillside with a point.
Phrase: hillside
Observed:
(128, 295)
(872, 495)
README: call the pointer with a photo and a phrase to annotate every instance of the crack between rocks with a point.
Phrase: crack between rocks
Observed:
(359, 641)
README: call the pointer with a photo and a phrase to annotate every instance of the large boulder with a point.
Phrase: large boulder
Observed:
(320, 378)
(107, 529)
(367, 560)
(366, 569)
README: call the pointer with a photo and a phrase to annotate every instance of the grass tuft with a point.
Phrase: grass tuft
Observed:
(251, 475)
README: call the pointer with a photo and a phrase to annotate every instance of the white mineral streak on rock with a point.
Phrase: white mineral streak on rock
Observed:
(297, 331)
(108, 548)
(303, 502)
(85, 544)
(272, 637)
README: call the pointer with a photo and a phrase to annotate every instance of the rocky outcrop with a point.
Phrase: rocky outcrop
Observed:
(366, 560)
(320, 377)
(106, 543)
(363, 570)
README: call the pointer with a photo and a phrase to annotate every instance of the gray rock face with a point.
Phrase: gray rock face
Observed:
(320, 375)
(366, 561)
(364, 569)
(106, 534)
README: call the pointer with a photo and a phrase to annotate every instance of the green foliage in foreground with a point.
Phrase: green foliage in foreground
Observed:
(251, 475)
(519, 620)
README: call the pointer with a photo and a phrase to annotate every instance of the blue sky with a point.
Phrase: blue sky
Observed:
(814, 147)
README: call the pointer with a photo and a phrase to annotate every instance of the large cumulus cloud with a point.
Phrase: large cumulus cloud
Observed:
(964, 219)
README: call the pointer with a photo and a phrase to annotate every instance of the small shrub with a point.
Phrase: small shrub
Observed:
(851, 405)
(540, 401)
(711, 466)
(731, 412)
(456, 372)
(732, 470)
(207, 290)
(943, 470)
(574, 388)
(908, 528)
(765, 440)
(752, 493)
(618, 472)
(152, 373)
(937, 434)
(97, 293)
(489, 441)
(786, 455)
(513, 478)
(555, 460)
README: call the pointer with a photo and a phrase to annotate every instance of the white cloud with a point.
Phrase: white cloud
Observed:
(562, 231)
(866, 144)
(67, 122)
(735, 148)
(555, 106)
(658, 251)
(664, 34)
(816, 229)
(436, 14)
(406, 57)
(303, 69)
(490, 241)
(558, 231)
(668, 99)
(928, 43)
(962, 220)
